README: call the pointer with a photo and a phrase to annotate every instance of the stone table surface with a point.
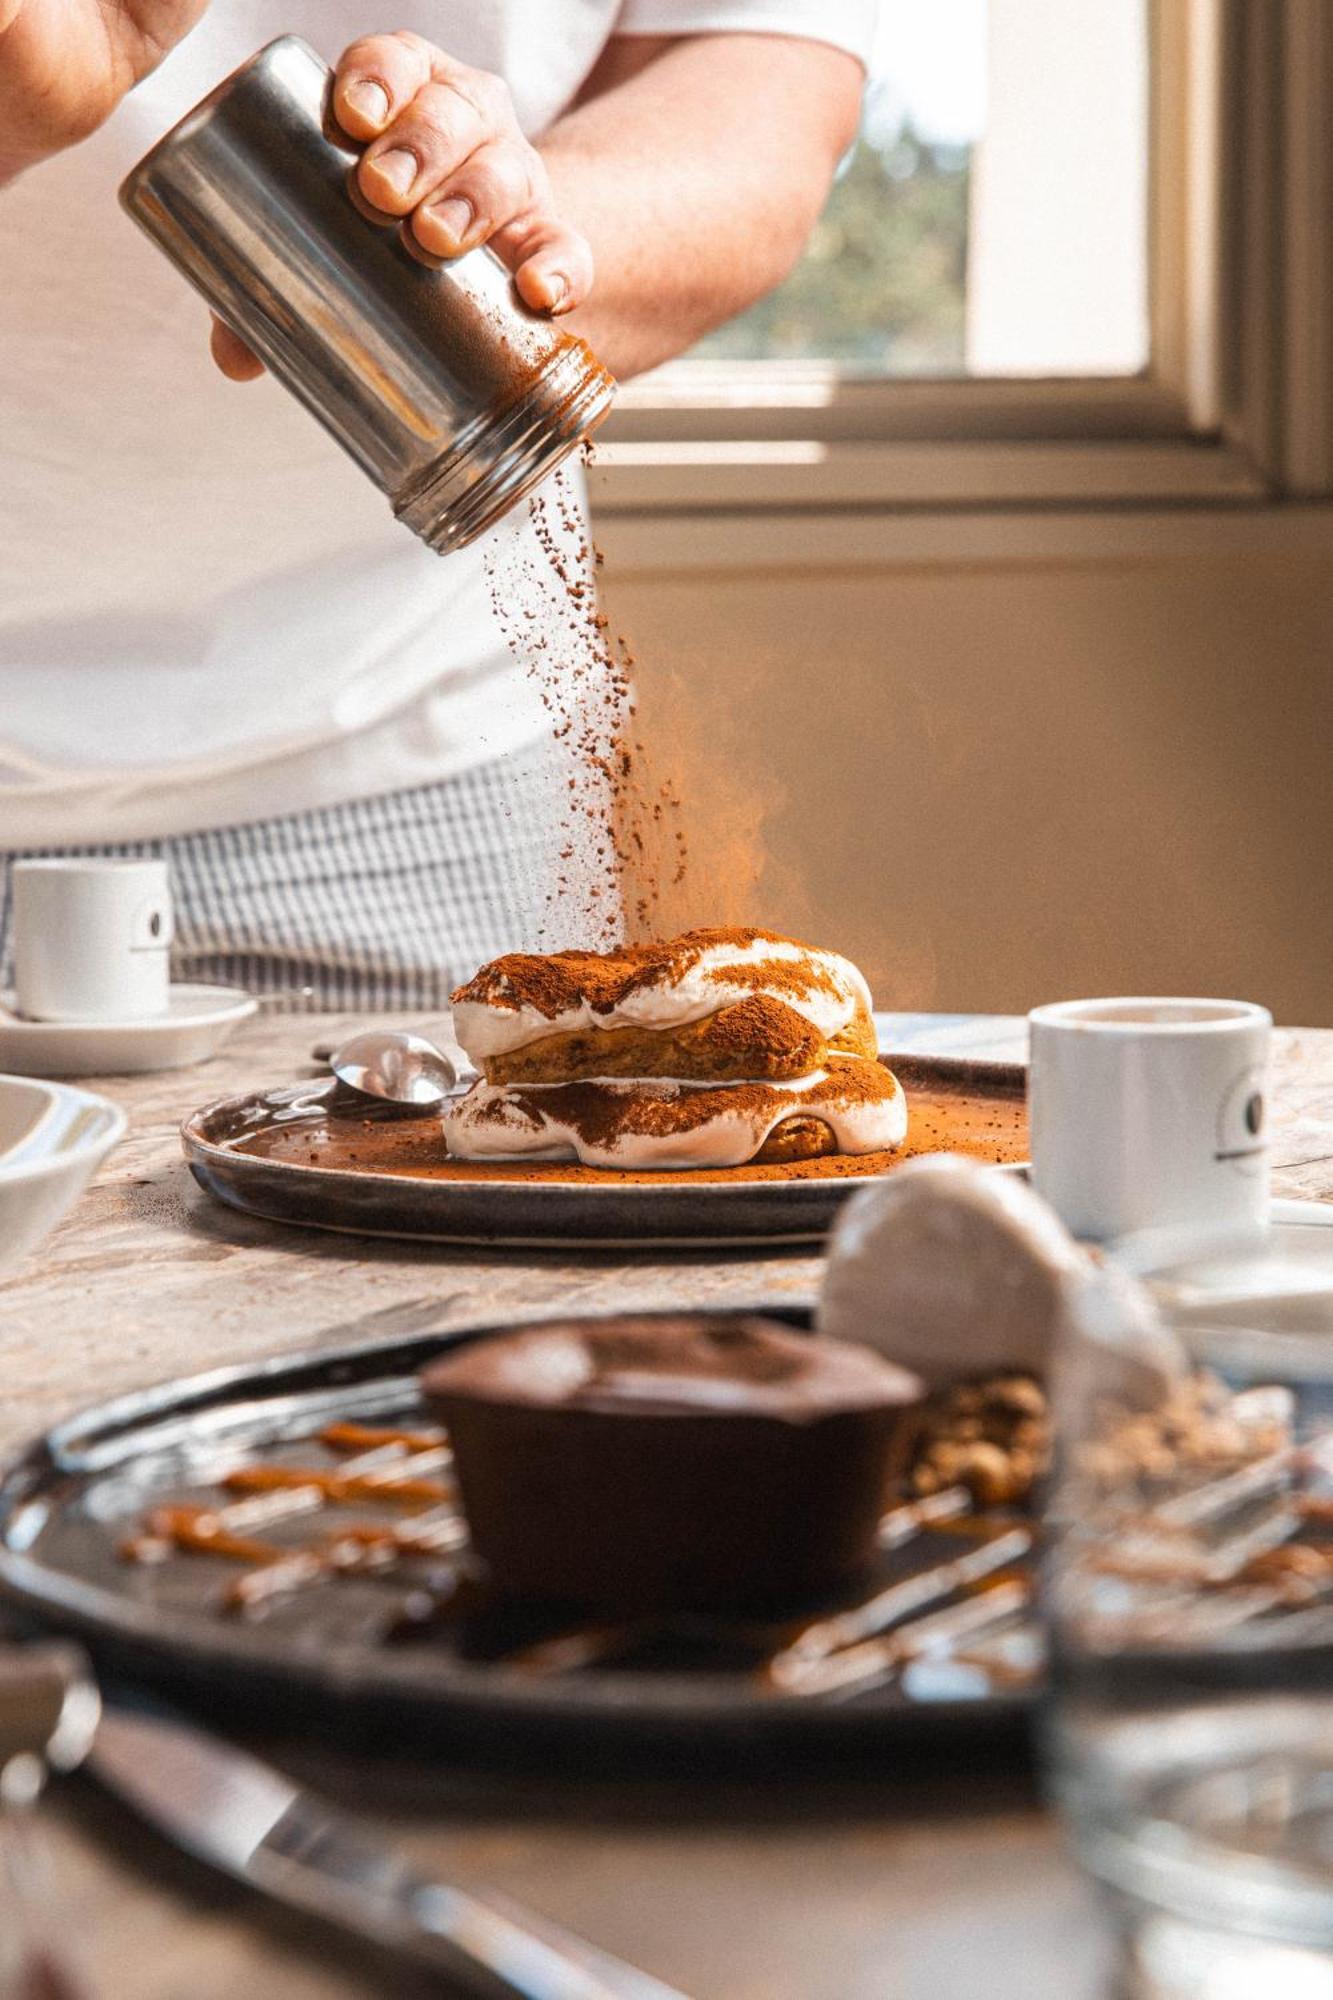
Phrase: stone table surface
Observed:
(909, 1881)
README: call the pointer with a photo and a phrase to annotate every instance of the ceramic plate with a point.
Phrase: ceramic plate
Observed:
(335, 1654)
(302, 1154)
(196, 1024)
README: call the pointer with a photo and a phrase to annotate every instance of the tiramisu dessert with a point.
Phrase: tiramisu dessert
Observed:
(662, 1461)
(720, 1048)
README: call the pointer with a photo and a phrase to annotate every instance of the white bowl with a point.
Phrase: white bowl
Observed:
(52, 1140)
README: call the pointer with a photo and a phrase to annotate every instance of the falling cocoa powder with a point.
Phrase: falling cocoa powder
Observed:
(621, 833)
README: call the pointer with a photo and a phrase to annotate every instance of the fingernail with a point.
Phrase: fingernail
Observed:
(455, 217)
(398, 168)
(371, 100)
(557, 291)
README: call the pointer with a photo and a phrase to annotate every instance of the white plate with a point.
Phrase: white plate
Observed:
(1285, 1212)
(51, 1140)
(197, 1022)
(1296, 1214)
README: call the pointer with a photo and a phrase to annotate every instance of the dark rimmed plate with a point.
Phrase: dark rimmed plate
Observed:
(320, 1657)
(330, 1169)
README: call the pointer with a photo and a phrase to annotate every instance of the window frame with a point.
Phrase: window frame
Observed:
(1235, 408)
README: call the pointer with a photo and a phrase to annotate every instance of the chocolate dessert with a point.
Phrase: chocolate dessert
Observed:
(657, 1463)
(719, 1048)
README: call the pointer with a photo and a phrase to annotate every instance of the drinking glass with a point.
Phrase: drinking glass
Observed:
(1189, 1587)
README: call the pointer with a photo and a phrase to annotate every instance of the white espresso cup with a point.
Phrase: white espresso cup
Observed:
(1150, 1114)
(92, 939)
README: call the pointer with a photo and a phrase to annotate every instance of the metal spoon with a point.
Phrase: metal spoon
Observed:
(395, 1067)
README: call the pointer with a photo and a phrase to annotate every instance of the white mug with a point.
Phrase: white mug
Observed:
(1150, 1114)
(92, 939)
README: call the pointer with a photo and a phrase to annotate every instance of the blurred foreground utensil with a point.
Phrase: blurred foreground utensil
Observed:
(394, 1067)
(239, 1815)
(49, 1711)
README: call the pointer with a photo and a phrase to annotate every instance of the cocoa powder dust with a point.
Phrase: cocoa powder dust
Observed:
(621, 842)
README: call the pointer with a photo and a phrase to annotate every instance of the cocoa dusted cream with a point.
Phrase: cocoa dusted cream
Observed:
(720, 1048)
(854, 1107)
(525, 997)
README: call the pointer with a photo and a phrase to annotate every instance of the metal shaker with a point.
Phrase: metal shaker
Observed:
(443, 386)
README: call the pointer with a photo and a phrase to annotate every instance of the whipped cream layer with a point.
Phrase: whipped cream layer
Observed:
(830, 1000)
(662, 1123)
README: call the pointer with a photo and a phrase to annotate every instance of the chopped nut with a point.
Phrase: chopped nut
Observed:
(991, 1436)
(987, 1470)
(1018, 1393)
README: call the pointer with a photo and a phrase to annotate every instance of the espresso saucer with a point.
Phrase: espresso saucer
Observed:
(197, 1022)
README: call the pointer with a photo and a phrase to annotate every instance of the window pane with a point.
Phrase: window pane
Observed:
(993, 216)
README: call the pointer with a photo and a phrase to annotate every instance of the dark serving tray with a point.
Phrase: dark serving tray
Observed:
(321, 1656)
(298, 1154)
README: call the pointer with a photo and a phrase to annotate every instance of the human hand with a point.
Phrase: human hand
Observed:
(443, 150)
(66, 64)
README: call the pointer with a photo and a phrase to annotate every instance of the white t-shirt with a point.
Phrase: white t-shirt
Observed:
(207, 612)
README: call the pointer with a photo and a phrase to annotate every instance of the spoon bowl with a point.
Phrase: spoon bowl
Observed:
(394, 1067)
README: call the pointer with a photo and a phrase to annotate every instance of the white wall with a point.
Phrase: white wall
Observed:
(1004, 782)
